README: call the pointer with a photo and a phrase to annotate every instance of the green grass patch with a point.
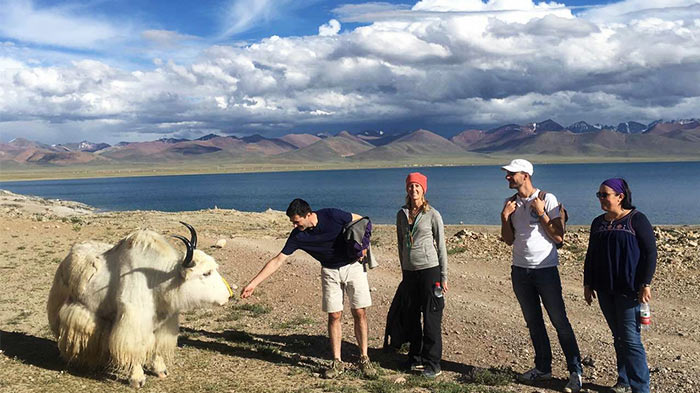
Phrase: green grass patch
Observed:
(255, 309)
(449, 387)
(228, 316)
(336, 386)
(356, 373)
(441, 385)
(574, 248)
(239, 336)
(383, 386)
(267, 349)
(294, 322)
(456, 250)
(494, 376)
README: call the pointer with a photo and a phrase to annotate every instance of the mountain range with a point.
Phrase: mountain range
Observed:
(673, 139)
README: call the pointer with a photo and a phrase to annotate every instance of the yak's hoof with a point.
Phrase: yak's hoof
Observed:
(137, 383)
(162, 374)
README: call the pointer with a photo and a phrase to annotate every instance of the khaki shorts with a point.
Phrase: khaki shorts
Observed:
(349, 279)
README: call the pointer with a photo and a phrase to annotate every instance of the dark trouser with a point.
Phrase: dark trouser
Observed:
(622, 314)
(426, 342)
(531, 286)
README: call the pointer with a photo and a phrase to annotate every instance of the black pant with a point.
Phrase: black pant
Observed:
(426, 341)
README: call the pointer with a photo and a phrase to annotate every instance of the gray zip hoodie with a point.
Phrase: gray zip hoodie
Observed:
(428, 247)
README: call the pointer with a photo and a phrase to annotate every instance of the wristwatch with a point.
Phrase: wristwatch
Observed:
(542, 215)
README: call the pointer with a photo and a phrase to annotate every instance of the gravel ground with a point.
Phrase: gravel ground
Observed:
(276, 340)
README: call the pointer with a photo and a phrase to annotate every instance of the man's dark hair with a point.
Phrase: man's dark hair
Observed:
(627, 200)
(298, 207)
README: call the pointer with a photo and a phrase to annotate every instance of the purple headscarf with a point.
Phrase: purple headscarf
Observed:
(616, 184)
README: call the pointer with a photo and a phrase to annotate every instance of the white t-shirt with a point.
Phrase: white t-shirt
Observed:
(532, 248)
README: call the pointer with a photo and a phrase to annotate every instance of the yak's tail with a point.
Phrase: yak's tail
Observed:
(58, 297)
(79, 332)
(82, 336)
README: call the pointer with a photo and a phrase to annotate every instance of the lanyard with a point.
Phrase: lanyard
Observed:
(410, 232)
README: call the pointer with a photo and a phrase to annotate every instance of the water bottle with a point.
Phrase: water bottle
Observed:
(645, 316)
(437, 289)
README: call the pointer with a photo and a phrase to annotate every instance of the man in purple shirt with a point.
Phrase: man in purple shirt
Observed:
(320, 233)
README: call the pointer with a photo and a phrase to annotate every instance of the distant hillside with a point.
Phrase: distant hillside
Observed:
(468, 138)
(663, 128)
(485, 141)
(582, 126)
(21, 151)
(379, 138)
(267, 146)
(673, 139)
(631, 127)
(547, 125)
(417, 143)
(602, 143)
(82, 146)
(300, 140)
(331, 148)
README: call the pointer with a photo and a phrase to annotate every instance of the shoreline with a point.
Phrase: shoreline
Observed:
(65, 208)
(181, 168)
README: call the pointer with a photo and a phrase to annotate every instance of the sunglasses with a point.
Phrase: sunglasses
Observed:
(604, 194)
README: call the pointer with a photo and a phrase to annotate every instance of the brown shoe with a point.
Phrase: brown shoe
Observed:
(337, 367)
(366, 367)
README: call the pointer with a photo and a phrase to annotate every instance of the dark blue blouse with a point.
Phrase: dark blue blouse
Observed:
(621, 254)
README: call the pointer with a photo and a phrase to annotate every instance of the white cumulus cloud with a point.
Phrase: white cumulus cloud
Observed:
(442, 64)
(330, 28)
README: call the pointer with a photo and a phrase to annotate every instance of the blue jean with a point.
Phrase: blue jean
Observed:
(622, 314)
(532, 286)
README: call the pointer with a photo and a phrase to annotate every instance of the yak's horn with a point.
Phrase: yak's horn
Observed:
(193, 234)
(187, 262)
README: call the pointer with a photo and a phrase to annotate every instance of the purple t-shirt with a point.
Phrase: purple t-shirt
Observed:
(325, 241)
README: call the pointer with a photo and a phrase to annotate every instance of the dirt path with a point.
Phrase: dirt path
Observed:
(276, 341)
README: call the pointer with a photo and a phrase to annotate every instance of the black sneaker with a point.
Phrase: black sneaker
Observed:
(430, 373)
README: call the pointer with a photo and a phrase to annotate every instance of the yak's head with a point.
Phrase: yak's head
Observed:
(203, 286)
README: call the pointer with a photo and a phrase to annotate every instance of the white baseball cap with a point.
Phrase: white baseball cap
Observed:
(519, 165)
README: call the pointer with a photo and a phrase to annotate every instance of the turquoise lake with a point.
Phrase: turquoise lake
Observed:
(666, 192)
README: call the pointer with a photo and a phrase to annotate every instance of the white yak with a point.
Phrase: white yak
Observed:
(118, 306)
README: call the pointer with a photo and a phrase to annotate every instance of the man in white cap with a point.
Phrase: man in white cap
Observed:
(529, 224)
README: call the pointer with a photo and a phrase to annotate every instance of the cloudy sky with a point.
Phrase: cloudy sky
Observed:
(109, 71)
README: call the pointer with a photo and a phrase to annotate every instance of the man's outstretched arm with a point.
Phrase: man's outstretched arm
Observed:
(270, 267)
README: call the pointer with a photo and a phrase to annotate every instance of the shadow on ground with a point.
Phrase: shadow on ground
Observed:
(40, 352)
(37, 351)
(558, 384)
(304, 350)
(312, 352)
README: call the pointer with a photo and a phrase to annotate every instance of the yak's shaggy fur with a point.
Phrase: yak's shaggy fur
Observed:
(118, 306)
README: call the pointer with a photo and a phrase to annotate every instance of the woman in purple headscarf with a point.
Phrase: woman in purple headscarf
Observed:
(620, 263)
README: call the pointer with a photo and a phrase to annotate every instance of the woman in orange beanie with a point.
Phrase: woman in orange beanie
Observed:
(423, 256)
